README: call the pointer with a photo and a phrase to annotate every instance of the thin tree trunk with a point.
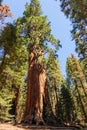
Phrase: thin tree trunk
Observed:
(83, 87)
(2, 63)
(82, 105)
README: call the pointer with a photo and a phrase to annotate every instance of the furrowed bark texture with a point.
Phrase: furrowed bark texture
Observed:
(35, 92)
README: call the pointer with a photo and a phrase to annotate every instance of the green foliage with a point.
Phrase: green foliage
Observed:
(54, 79)
(12, 66)
(21, 102)
(74, 9)
(33, 9)
(14, 54)
(53, 69)
(77, 77)
(5, 104)
(65, 106)
(32, 33)
(77, 12)
(34, 30)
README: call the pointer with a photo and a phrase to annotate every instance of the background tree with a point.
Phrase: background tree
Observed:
(65, 106)
(4, 100)
(54, 79)
(77, 12)
(12, 67)
(75, 72)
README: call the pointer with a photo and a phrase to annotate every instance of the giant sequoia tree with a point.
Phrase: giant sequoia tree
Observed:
(34, 31)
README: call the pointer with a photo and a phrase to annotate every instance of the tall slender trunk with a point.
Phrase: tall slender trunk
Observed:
(54, 99)
(83, 87)
(2, 63)
(81, 102)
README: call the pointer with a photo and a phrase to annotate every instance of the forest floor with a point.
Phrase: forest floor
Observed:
(7, 126)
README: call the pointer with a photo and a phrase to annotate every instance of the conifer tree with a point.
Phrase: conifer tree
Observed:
(77, 12)
(12, 68)
(34, 31)
(65, 106)
(6, 104)
(75, 72)
(54, 79)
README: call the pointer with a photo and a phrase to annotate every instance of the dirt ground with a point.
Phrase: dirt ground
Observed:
(6, 126)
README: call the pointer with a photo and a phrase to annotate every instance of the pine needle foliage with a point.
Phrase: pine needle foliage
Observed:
(5, 104)
(79, 86)
(76, 11)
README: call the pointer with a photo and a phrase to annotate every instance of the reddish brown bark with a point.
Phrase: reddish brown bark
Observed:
(35, 92)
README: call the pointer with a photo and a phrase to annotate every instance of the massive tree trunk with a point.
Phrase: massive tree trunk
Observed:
(35, 92)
